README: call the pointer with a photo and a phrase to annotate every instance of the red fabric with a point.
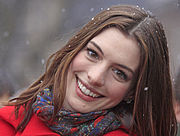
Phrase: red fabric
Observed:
(35, 127)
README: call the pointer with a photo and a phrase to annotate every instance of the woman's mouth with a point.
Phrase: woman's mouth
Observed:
(86, 91)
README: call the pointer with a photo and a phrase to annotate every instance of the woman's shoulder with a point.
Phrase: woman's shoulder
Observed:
(116, 133)
(7, 114)
(119, 132)
(7, 109)
(9, 123)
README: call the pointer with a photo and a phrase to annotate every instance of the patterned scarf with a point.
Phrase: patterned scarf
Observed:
(73, 123)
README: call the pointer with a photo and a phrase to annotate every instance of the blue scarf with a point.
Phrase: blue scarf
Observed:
(72, 123)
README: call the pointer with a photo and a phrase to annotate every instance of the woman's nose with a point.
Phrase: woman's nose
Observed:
(96, 75)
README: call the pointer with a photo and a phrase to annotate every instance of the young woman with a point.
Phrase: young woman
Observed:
(111, 78)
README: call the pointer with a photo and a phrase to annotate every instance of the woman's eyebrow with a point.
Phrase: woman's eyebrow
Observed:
(96, 45)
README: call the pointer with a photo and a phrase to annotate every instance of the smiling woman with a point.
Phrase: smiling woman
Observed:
(99, 77)
(111, 78)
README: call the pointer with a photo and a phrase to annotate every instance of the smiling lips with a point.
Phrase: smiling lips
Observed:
(87, 92)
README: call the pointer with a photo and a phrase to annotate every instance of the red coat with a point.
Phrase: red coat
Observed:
(35, 127)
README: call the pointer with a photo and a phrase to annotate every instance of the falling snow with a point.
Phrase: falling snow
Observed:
(92, 9)
(42, 61)
(146, 88)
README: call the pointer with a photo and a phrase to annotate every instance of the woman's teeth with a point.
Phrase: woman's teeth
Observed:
(86, 91)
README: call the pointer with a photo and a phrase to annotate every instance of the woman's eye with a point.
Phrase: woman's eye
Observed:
(91, 53)
(120, 75)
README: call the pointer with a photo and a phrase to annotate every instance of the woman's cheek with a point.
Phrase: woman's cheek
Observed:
(79, 61)
(118, 89)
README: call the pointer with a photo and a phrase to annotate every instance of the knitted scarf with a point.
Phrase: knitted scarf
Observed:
(73, 123)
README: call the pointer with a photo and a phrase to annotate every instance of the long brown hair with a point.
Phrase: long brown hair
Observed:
(152, 106)
(177, 87)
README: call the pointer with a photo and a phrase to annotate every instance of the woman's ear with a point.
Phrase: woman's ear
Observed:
(129, 97)
(177, 111)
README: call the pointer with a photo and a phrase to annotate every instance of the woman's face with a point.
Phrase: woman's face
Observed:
(100, 75)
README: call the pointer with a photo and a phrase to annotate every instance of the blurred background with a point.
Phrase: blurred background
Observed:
(31, 30)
